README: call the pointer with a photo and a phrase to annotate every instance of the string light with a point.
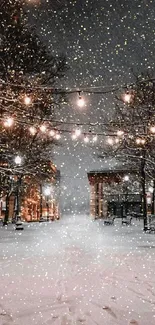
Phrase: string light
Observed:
(43, 128)
(117, 140)
(74, 136)
(9, 122)
(18, 160)
(32, 130)
(127, 98)
(152, 129)
(77, 132)
(86, 138)
(57, 136)
(140, 141)
(120, 133)
(81, 101)
(126, 178)
(110, 141)
(52, 133)
(89, 89)
(27, 100)
(94, 138)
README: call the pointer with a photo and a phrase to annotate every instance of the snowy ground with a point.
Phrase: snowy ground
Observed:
(76, 271)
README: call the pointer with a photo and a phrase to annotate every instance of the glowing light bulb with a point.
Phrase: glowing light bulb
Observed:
(74, 136)
(138, 141)
(81, 101)
(52, 133)
(117, 140)
(77, 132)
(57, 136)
(126, 178)
(120, 133)
(86, 139)
(143, 141)
(47, 191)
(9, 122)
(32, 130)
(43, 128)
(27, 100)
(95, 138)
(18, 160)
(110, 141)
(152, 129)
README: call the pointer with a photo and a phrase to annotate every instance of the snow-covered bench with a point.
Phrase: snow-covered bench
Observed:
(126, 221)
(151, 227)
(109, 221)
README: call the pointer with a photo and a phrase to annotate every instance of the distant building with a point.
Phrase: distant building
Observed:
(37, 200)
(114, 191)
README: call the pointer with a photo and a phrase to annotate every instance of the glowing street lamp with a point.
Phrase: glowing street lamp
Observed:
(47, 191)
(126, 178)
(18, 161)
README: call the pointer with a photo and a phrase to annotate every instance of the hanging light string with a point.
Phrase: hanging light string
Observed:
(103, 89)
(46, 129)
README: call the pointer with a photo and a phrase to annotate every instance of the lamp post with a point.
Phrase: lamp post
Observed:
(47, 192)
(18, 161)
(126, 179)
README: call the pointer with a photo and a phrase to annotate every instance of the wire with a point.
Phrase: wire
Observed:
(90, 89)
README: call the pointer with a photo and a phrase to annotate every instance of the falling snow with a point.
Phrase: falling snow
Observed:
(76, 271)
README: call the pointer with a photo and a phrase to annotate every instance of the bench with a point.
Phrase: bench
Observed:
(151, 227)
(127, 221)
(109, 221)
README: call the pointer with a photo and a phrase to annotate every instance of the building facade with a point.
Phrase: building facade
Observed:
(116, 192)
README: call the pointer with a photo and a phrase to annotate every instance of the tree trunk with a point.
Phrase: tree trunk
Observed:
(41, 201)
(143, 183)
(6, 217)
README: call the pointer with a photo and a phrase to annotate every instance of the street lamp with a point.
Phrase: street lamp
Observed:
(126, 180)
(18, 161)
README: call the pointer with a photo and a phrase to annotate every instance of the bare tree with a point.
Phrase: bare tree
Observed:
(131, 132)
(27, 105)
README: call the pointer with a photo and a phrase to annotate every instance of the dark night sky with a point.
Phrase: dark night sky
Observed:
(104, 41)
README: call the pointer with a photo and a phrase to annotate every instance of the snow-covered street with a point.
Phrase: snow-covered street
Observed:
(77, 271)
